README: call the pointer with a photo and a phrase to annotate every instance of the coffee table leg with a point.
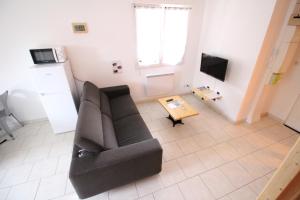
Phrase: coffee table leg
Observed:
(175, 121)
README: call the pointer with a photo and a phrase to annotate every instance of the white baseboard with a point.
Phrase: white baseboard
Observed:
(35, 121)
(275, 118)
(154, 98)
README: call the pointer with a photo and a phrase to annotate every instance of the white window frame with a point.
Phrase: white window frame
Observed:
(134, 5)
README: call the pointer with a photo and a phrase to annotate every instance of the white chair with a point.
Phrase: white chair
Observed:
(4, 113)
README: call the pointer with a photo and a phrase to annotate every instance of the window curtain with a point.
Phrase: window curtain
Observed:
(175, 35)
(149, 26)
(161, 34)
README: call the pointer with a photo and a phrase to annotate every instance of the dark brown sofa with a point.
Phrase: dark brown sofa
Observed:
(112, 144)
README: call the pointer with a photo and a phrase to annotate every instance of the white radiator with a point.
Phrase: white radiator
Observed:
(159, 84)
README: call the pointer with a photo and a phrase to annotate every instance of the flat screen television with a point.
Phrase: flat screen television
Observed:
(214, 66)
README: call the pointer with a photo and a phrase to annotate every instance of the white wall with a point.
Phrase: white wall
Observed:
(286, 94)
(235, 30)
(33, 23)
(265, 91)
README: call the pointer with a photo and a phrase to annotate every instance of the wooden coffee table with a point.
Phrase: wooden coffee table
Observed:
(177, 109)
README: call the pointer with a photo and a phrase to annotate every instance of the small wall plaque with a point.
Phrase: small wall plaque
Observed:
(79, 27)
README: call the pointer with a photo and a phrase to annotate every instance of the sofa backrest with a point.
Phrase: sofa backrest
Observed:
(90, 92)
(89, 132)
(94, 131)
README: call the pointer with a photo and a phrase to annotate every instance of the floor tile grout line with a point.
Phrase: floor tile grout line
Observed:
(11, 187)
(210, 189)
(9, 191)
(258, 149)
(200, 180)
(253, 182)
(137, 191)
(224, 163)
(243, 186)
(265, 147)
(198, 175)
(18, 184)
(61, 196)
(232, 182)
(232, 138)
(166, 188)
(180, 191)
(237, 188)
(225, 175)
(37, 189)
(66, 185)
(26, 180)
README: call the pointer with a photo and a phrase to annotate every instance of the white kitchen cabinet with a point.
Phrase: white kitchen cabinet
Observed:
(57, 90)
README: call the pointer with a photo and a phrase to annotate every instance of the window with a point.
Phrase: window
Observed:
(161, 34)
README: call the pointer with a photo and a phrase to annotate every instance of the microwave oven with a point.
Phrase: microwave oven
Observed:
(48, 55)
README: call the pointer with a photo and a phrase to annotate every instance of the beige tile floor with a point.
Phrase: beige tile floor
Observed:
(207, 158)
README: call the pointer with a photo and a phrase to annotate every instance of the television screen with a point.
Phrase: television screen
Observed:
(214, 66)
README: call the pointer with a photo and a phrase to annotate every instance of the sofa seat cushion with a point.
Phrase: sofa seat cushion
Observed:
(109, 136)
(105, 104)
(131, 129)
(90, 93)
(89, 133)
(122, 106)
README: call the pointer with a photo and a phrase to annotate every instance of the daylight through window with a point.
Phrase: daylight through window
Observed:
(161, 34)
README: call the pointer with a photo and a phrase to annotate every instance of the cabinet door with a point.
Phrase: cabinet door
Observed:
(293, 119)
(61, 111)
(50, 80)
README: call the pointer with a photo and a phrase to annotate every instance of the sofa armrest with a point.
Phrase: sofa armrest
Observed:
(129, 153)
(116, 91)
(113, 168)
(113, 158)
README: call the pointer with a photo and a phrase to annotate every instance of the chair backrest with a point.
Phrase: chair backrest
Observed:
(3, 102)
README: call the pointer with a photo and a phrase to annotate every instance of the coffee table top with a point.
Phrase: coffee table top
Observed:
(177, 107)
